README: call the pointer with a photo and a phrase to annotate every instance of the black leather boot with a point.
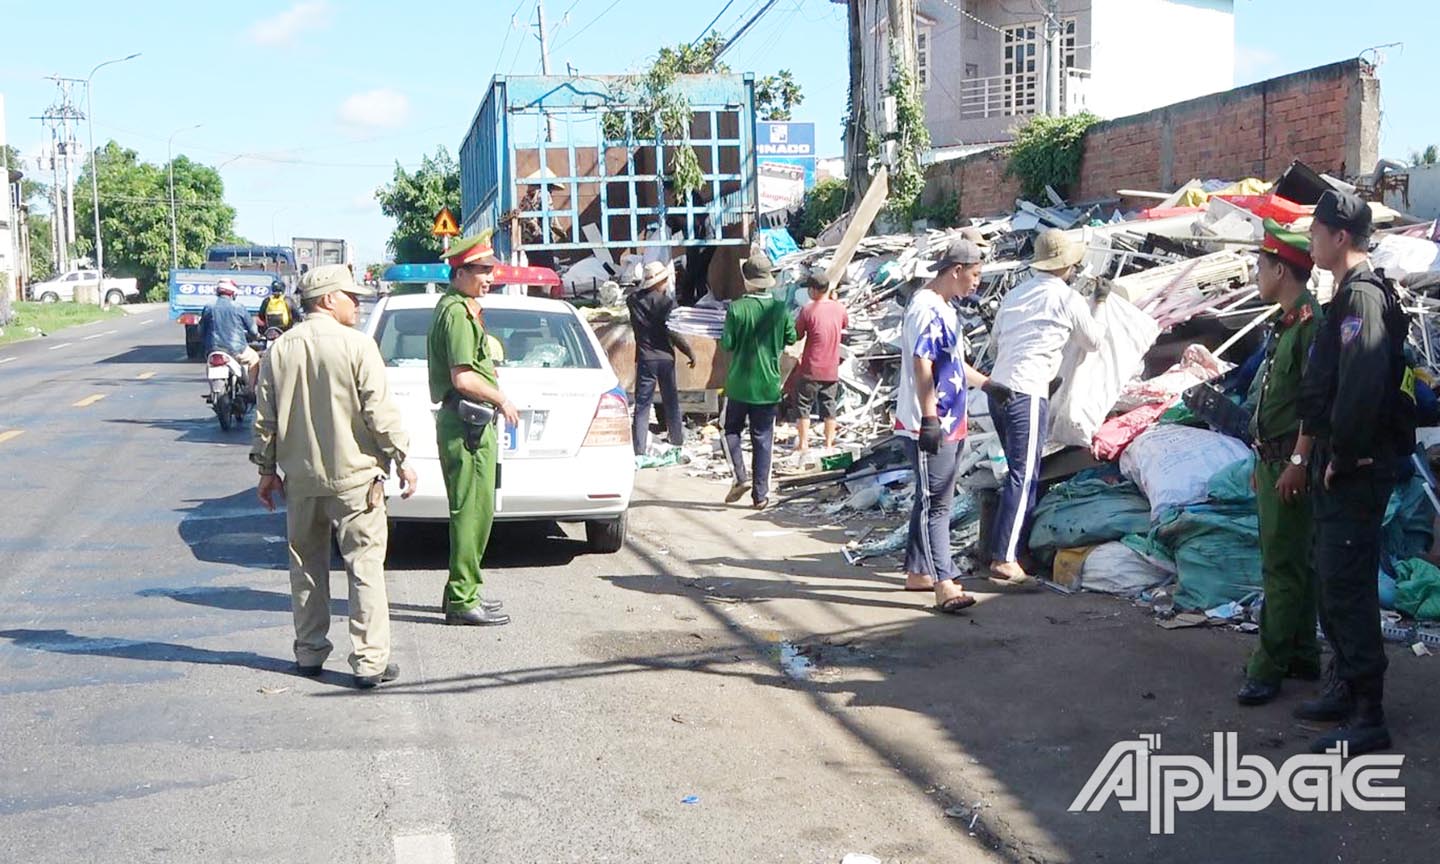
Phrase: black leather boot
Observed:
(1336, 702)
(1366, 732)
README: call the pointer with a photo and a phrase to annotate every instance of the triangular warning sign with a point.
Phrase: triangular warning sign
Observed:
(445, 225)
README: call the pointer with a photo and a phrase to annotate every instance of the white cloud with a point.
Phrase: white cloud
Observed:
(385, 108)
(287, 27)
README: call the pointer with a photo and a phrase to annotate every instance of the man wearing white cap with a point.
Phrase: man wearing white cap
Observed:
(650, 307)
(1037, 319)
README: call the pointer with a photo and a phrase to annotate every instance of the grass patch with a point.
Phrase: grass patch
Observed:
(38, 319)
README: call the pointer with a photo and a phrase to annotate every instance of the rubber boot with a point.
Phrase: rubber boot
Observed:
(1366, 732)
(1336, 702)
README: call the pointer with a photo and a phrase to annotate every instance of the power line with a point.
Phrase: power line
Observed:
(711, 25)
(748, 24)
(588, 25)
(500, 55)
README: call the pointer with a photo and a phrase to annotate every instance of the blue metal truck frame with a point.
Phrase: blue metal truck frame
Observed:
(515, 116)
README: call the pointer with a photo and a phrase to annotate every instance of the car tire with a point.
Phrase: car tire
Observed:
(607, 536)
(115, 298)
(49, 297)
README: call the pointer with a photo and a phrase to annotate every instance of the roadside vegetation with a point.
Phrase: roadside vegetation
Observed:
(39, 319)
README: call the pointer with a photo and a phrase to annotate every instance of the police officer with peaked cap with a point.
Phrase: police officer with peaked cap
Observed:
(462, 366)
(1354, 401)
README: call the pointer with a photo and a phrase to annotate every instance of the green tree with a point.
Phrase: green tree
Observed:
(33, 193)
(775, 95)
(135, 214)
(1429, 156)
(1047, 152)
(413, 198)
(823, 204)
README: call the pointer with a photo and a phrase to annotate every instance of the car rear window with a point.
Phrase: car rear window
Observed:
(528, 338)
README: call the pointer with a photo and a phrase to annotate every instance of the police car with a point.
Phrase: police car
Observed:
(569, 459)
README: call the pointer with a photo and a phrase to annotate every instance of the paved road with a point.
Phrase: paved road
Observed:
(147, 710)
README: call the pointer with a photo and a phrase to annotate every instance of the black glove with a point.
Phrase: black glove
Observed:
(930, 435)
(1102, 290)
(999, 394)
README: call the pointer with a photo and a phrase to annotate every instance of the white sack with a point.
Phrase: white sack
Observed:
(1092, 381)
(1173, 464)
(1114, 568)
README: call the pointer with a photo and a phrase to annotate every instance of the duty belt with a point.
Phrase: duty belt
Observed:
(1276, 449)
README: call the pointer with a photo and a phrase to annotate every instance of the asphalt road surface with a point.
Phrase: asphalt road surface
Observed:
(724, 690)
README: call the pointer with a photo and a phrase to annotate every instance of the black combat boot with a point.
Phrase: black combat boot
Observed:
(1366, 732)
(1336, 702)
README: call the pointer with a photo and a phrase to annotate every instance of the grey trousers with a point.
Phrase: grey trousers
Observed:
(928, 549)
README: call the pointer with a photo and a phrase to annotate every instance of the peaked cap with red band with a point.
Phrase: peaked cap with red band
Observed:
(1287, 245)
(471, 250)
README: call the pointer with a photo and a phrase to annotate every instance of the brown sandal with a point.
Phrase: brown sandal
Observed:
(956, 604)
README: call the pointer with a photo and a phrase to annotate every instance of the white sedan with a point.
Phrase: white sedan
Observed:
(570, 457)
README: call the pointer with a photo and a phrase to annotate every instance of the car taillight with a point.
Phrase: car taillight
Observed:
(611, 426)
(218, 360)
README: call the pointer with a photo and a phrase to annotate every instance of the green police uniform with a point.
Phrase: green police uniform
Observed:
(1287, 620)
(457, 338)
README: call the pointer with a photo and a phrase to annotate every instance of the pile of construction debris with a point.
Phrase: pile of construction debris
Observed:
(1184, 342)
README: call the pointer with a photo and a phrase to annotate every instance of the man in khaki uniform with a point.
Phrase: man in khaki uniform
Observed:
(326, 434)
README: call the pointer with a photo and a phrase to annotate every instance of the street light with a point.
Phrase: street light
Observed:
(170, 167)
(94, 174)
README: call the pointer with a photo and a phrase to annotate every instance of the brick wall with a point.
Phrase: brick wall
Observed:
(1323, 117)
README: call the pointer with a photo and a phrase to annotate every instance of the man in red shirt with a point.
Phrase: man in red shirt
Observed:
(821, 324)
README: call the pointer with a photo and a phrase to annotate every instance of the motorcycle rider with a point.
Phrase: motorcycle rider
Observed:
(278, 310)
(225, 326)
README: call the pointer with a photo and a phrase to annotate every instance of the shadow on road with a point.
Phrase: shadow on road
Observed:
(235, 530)
(513, 545)
(237, 598)
(203, 428)
(150, 354)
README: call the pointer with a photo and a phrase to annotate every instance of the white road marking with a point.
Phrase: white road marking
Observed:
(10, 435)
(61, 345)
(424, 849)
(88, 401)
(4, 360)
(98, 335)
(145, 376)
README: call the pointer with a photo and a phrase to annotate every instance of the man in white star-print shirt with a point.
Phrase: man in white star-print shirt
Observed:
(930, 416)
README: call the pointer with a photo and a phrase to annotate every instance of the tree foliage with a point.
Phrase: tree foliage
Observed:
(823, 204)
(33, 192)
(776, 96)
(1047, 152)
(1429, 156)
(135, 214)
(912, 141)
(413, 198)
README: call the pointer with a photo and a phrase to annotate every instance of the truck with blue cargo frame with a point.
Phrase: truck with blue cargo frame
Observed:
(562, 168)
(251, 268)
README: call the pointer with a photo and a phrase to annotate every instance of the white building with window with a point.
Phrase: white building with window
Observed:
(981, 63)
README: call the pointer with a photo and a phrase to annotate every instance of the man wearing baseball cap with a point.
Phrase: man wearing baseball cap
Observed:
(462, 367)
(226, 326)
(1357, 400)
(1288, 648)
(1036, 320)
(930, 418)
(326, 435)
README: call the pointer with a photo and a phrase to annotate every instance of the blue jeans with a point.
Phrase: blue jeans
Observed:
(762, 442)
(648, 373)
(927, 549)
(1023, 426)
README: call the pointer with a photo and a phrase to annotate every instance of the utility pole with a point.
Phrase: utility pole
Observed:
(857, 137)
(544, 62)
(1054, 62)
(58, 119)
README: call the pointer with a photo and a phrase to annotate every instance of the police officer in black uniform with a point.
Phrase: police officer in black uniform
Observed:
(1354, 402)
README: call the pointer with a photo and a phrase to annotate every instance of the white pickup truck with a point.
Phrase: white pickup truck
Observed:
(112, 292)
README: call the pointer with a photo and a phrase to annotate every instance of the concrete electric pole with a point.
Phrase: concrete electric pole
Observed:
(544, 62)
(1054, 61)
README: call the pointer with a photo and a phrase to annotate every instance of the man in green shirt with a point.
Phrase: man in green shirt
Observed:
(1288, 647)
(757, 329)
(462, 366)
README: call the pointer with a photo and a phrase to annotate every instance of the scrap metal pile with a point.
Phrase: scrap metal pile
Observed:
(1184, 313)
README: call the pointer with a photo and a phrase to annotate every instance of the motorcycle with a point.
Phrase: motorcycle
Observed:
(229, 394)
(270, 335)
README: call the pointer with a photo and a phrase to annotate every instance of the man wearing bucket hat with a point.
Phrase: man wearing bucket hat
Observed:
(1288, 648)
(462, 372)
(650, 307)
(1035, 322)
(757, 329)
(326, 434)
(1357, 400)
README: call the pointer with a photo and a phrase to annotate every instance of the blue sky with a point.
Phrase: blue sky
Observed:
(318, 98)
